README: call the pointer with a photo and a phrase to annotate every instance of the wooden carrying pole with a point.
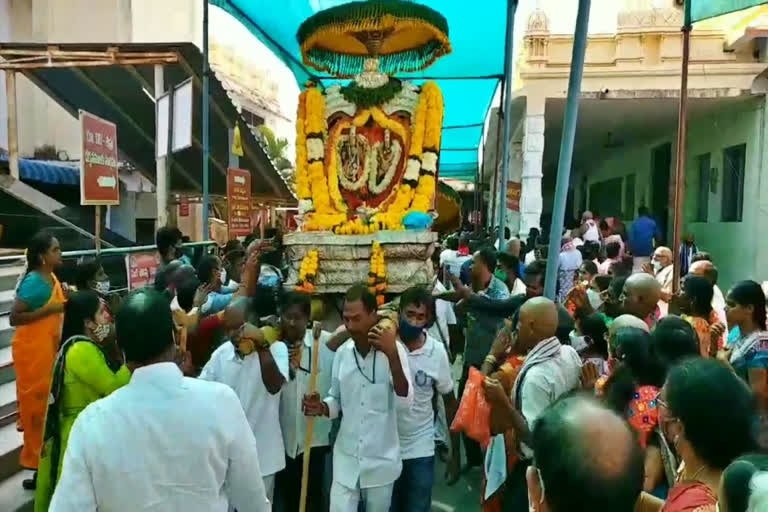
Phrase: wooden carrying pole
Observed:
(682, 130)
(310, 420)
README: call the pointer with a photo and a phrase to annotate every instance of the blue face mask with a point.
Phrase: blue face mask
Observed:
(409, 332)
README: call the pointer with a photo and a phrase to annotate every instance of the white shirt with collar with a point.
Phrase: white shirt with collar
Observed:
(292, 419)
(429, 370)
(367, 449)
(261, 408)
(163, 442)
(545, 382)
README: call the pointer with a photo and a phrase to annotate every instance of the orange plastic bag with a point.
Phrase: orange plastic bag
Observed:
(473, 416)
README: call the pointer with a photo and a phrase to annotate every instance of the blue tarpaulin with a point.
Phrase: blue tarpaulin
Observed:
(468, 76)
(46, 172)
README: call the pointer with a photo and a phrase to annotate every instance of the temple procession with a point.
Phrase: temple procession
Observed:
(383, 256)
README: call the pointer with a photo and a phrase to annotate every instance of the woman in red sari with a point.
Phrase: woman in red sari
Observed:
(707, 414)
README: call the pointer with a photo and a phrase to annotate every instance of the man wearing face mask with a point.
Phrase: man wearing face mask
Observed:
(430, 374)
(662, 269)
(256, 371)
(90, 275)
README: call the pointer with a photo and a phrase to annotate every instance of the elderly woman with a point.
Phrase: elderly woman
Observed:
(85, 370)
(696, 305)
(37, 317)
(698, 394)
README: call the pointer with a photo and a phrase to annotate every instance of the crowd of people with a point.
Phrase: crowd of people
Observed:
(205, 390)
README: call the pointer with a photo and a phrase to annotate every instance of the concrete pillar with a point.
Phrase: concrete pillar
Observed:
(515, 176)
(160, 166)
(533, 156)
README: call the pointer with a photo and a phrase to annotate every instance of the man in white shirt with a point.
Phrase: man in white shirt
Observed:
(256, 372)
(370, 384)
(430, 374)
(549, 371)
(662, 269)
(295, 312)
(163, 442)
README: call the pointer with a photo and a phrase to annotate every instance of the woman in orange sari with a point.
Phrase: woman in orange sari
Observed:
(696, 309)
(37, 315)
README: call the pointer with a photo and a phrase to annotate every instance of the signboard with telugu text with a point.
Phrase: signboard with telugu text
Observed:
(239, 202)
(99, 161)
(141, 268)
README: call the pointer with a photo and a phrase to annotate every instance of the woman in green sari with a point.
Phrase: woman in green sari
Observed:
(84, 371)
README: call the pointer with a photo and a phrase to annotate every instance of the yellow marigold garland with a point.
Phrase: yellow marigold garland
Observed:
(425, 191)
(332, 168)
(315, 125)
(302, 177)
(308, 271)
(377, 275)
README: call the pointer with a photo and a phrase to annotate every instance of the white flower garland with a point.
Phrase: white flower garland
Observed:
(315, 149)
(429, 161)
(305, 205)
(412, 169)
(404, 101)
(377, 149)
(335, 102)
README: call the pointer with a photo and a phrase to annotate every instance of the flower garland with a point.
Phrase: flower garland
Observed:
(425, 191)
(357, 145)
(302, 177)
(308, 271)
(377, 153)
(315, 132)
(377, 275)
(356, 226)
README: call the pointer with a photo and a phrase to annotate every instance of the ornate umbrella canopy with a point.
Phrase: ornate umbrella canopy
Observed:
(402, 36)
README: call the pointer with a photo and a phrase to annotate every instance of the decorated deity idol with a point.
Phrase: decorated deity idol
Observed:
(367, 152)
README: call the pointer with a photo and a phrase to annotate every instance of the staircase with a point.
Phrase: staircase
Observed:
(13, 498)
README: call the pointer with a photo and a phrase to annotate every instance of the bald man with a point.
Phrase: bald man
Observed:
(641, 296)
(586, 459)
(513, 247)
(708, 270)
(662, 269)
(550, 370)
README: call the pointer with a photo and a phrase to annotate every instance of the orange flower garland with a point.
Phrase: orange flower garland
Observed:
(308, 271)
(302, 177)
(377, 275)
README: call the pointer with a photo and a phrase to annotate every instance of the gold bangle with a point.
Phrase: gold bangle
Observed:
(490, 358)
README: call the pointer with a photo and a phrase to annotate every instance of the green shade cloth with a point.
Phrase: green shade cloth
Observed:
(697, 10)
(468, 76)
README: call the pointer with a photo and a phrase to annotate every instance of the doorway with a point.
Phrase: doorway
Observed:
(661, 160)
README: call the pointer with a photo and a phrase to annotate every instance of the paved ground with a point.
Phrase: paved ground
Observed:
(463, 496)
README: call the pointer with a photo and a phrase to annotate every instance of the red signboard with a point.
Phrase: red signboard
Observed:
(239, 202)
(141, 268)
(184, 206)
(98, 162)
(514, 190)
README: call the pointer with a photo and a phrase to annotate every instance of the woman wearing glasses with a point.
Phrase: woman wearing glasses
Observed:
(707, 414)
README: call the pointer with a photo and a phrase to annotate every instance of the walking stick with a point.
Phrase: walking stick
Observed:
(310, 420)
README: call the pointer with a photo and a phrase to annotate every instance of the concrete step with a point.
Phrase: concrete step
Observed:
(10, 448)
(6, 331)
(6, 299)
(13, 497)
(7, 373)
(9, 274)
(8, 405)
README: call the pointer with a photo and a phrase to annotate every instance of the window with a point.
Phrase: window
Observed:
(605, 197)
(252, 119)
(629, 197)
(704, 163)
(734, 161)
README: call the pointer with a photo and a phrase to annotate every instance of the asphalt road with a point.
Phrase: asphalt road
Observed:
(463, 496)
